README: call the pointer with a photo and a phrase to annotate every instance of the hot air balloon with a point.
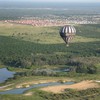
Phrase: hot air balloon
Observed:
(67, 33)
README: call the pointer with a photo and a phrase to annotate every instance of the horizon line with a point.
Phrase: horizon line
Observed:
(55, 1)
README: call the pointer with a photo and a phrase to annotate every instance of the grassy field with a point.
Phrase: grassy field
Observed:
(51, 34)
(24, 48)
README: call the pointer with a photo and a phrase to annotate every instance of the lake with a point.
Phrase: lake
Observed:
(5, 74)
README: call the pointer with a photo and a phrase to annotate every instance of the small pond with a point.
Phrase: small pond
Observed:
(5, 74)
(22, 90)
(62, 70)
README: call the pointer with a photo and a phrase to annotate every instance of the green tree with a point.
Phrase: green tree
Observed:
(92, 69)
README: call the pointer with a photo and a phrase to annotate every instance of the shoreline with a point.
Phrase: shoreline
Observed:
(83, 85)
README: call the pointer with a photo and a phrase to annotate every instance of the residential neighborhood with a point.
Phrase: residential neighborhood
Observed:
(57, 22)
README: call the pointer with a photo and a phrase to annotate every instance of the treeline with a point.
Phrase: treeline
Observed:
(72, 71)
(19, 53)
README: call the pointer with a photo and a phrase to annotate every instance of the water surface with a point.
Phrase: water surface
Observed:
(22, 90)
(5, 74)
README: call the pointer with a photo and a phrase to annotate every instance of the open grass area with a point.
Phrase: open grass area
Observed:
(47, 35)
(43, 35)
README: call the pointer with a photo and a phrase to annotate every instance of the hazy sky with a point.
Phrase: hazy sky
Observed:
(56, 0)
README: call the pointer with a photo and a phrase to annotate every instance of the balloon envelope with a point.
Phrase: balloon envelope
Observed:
(67, 32)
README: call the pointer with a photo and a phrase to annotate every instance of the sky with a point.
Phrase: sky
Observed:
(56, 0)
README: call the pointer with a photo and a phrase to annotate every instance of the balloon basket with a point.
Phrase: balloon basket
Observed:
(67, 45)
